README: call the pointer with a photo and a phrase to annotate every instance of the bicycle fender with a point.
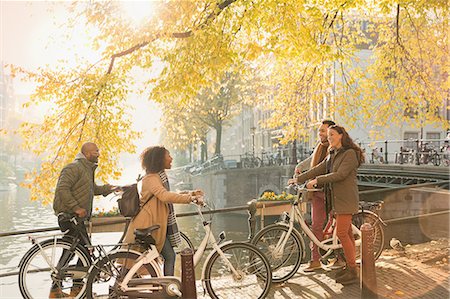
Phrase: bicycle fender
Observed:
(373, 214)
(36, 247)
(298, 231)
(207, 260)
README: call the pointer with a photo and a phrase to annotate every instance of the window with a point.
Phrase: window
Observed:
(410, 140)
(433, 135)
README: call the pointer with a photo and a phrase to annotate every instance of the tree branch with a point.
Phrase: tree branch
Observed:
(185, 34)
(397, 25)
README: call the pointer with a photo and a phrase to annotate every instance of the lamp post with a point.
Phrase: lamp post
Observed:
(252, 132)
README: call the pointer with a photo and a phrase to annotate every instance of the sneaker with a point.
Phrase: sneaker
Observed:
(313, 266)
(337, 264)
(58, 293)
(350, 276)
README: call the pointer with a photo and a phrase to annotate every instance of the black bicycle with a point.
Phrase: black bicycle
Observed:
(250, 161)
(61, 262)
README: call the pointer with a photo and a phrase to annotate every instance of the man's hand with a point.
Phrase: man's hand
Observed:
(292, 181)
(81, 212)
(310, 184)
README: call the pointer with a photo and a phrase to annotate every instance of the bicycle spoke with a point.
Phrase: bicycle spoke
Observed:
(249, 279)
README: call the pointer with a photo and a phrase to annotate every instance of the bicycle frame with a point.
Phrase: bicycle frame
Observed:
(295, 215)
(152, 257)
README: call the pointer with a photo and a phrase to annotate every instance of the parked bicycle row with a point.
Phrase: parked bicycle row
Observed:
(427, 155)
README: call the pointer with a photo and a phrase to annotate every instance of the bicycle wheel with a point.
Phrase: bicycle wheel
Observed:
(283, 264)
(106, 274)
(258, 162)
(251, 280)
(378, 233)
(436, 160)
(37, 273)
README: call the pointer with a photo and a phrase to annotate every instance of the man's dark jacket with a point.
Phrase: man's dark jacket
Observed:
(76, 187)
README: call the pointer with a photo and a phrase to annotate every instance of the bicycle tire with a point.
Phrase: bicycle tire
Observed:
(108, 271)
(35, 272)
(436, 159)
(185, 243)
(258, 162)
(378, 232)
(286, 265)
(249, 262)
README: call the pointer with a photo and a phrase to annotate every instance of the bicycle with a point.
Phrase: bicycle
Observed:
(63, 261)
(284, 245)
(232, 269)
(250, 161)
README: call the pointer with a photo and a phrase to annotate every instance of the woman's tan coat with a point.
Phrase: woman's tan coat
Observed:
(156, 210)
(342, 180)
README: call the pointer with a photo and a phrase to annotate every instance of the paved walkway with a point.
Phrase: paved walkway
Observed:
(397, 277)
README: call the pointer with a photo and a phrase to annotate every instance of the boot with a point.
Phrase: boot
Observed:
(340, 272)
(58, 293)
(75, 290)
(313, 266)
(350, 276)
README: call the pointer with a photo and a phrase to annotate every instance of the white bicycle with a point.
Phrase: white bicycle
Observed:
(231, 270)
(284, 246)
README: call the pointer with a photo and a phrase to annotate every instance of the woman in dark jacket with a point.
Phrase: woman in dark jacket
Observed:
(337, 174)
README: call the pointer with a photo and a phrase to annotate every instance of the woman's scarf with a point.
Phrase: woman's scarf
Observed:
(327, 187)
(319, 154)
(172, 227)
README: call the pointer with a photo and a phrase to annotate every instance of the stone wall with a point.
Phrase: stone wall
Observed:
(235, 187)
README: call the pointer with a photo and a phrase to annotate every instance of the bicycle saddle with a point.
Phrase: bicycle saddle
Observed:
(143, 232)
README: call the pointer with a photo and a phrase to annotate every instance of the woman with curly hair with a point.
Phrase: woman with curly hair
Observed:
(337, 175)
(157, 205)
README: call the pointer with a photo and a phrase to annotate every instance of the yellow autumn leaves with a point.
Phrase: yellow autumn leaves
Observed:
(273, 196)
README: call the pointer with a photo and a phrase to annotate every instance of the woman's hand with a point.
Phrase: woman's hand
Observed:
(292, 181)
(197, 192)
(311, 184)
(198, 199)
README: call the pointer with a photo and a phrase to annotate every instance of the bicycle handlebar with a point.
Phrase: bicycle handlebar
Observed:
(300, 188)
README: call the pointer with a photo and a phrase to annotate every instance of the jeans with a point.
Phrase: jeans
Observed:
(345, 235)
(76, 232)
(169, 258)
(318, 217)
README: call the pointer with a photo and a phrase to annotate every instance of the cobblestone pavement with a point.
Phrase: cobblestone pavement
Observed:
(397, 277)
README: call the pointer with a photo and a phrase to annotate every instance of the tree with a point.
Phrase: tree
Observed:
(296, 50)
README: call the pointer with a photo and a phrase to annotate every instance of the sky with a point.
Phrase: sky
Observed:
(31, 33)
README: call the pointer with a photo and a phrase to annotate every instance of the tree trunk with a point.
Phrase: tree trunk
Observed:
(204, 149)
(294, 153)
(218, 138)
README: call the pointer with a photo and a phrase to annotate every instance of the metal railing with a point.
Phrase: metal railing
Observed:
(242, 208)
(407, 151)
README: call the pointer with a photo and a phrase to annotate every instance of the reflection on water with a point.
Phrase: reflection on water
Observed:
(19, 213)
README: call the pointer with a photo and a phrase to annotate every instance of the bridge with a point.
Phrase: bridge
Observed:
(229, 187)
